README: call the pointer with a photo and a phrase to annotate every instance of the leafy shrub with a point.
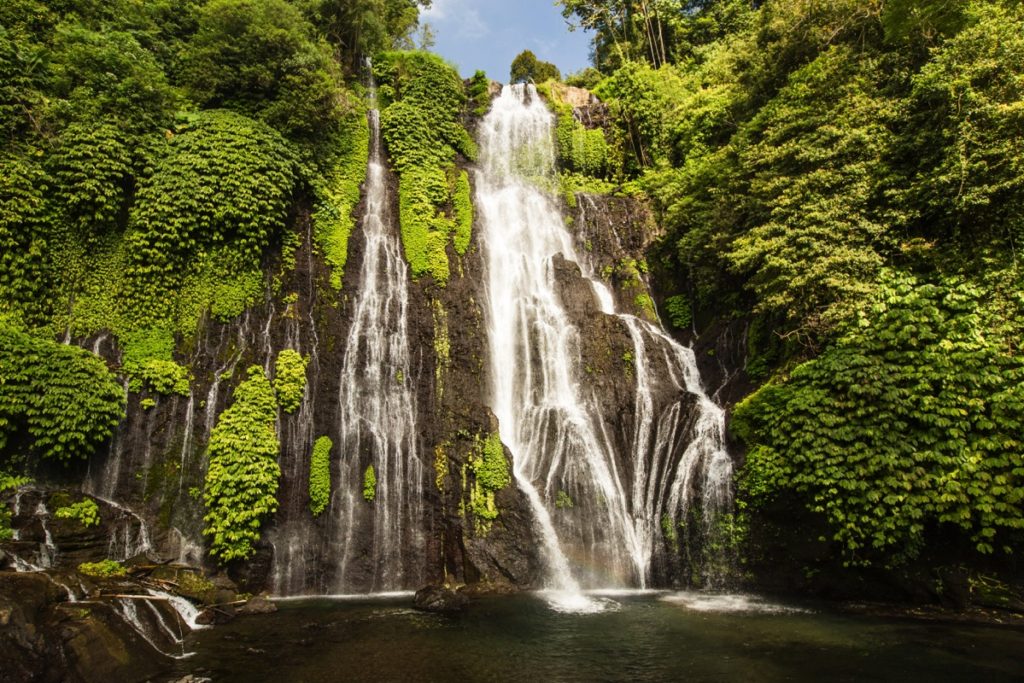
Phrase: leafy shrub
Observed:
(92, 167)
(85, 511)
(581, 150)
(422, 130)
(148, 359)
(60, 401)
(260, 57)
(104, 569)
(290, 379)
(242, 479)
(479, 93)
(227, 180)
(320, 476)
(910, 421)
(24, 226)
(679, 313)
(106, 75)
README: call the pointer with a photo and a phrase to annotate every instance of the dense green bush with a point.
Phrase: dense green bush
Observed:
(966, 132)
(107, 76)
(92, 170)
(227, 180)
(242, 479)
(911, 421)
(24, 228)
(423, 100)
(290, 379)
(58, 402)
(260, 57)
(814, 244)
(320, 476)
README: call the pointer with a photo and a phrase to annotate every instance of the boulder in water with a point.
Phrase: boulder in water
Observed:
(258, 605)
(440, 599)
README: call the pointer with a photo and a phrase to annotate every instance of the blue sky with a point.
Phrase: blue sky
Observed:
(488, 34)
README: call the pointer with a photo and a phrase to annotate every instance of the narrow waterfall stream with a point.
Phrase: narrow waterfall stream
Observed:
(377, 412)
(548, 415)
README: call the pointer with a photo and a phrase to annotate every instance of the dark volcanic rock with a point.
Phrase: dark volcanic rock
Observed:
(258, 605)
(45, 638)
(440, 599)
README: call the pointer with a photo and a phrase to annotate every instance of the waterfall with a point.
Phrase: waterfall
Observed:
(377, 413)
(549, 414)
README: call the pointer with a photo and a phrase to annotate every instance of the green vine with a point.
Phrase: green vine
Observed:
(911, 421)
(340, 192)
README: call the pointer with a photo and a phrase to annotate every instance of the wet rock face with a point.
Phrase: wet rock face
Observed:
(156, 462)
(43, 638)
(46, 539)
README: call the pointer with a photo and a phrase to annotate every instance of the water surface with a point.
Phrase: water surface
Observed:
(635, 637)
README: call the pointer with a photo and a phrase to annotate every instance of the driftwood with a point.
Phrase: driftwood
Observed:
(122, 596)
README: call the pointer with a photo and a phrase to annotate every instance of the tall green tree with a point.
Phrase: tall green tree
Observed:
(526, 68)
(260, 57)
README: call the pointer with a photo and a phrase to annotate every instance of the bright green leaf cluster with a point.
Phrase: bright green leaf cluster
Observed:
(320, 476)
(424, 99)
(226, 180)
(242, 479)
(8, 482)
(370, 484)
(910, 421)
(491, 474)
(85, 511)
(61, 402)
(290, 379)
(339, 193)
(104, 569)
(148, 359)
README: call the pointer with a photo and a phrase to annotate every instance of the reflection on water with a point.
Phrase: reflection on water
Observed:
(722, 602)
(649, 636)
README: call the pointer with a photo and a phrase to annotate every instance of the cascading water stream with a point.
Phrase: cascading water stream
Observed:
(377, 410)
(548, 416)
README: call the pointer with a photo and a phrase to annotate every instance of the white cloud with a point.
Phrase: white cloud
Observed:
(439, 9)
(460, 16)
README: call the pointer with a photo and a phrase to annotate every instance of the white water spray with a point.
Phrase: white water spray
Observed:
(549, 417)
(377, 407)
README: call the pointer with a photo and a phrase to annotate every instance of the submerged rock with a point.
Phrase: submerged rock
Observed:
(440, 599)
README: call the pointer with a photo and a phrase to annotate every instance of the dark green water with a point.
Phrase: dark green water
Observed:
(659, 637)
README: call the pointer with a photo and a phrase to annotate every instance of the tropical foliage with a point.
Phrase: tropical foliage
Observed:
(242, 479)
